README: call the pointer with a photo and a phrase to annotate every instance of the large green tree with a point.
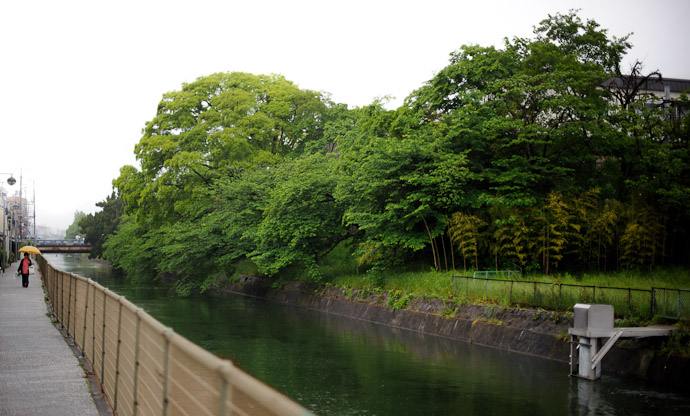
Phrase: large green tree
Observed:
(97, 227)
(543, 113)
(218, 126)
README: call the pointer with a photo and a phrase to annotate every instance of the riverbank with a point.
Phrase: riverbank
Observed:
(526, 331)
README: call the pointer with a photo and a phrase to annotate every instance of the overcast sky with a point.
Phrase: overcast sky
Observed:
(79, 79)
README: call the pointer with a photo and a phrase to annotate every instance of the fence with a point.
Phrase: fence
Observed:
(143, 367)
(669, 303)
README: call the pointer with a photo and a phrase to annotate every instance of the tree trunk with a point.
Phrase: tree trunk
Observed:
(445, 256)
(433, 249)
(452, 250)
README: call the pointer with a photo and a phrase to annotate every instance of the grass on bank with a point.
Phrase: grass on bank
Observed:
(339, 268)
(439, 283)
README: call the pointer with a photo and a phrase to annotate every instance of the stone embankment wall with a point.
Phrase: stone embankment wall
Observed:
(526, 331)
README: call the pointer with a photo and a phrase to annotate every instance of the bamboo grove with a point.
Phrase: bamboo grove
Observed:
(514, 156)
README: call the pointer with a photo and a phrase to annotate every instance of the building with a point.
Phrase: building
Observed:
(16, 222)
(653, 90)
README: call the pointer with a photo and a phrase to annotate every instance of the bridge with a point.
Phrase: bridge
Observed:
(60, 246)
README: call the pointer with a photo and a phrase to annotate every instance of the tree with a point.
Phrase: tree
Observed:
(97, 227)
(133, 248)
(218, 126)
(400, 188)
(302, 220)
(532, 103)
(559, 228)
(74, 229)
(464, 230)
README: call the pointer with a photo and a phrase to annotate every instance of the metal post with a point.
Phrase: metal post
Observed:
(166, 369)
(103, 347)
(93, 332)
(69, 303)
(225, 385)
(136, 364)
(86, 317)
(117, 354)
(62, 297)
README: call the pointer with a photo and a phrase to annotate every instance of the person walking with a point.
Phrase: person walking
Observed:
(24, 266)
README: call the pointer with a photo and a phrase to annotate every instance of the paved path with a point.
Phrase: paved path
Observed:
(39, 373)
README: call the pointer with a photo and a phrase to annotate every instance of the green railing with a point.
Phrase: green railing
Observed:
(643, 303)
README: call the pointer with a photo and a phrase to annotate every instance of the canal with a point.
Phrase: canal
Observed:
(339, 366)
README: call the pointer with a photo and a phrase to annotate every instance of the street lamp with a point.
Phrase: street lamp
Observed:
(10, 181)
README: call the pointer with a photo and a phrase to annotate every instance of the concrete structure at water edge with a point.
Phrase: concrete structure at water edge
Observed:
(592, 324)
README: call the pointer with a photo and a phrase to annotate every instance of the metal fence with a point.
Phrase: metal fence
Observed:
(669, 303)
(143, 367)
(496, 274)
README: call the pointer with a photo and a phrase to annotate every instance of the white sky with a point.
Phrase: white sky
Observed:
(79, 79)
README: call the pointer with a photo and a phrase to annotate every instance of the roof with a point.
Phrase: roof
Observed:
(652, 84)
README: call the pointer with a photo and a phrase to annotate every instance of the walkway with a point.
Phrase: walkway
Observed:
(39, 373)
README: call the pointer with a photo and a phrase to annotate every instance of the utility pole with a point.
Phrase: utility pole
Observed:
(21, 207)
(34, 236)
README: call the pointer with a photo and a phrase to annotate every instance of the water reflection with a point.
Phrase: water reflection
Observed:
(340, 366)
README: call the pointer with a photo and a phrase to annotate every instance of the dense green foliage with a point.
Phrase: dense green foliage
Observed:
(75, 228)
(510, 156)
(97, 227)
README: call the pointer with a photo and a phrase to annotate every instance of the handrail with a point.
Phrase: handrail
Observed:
(145, 368)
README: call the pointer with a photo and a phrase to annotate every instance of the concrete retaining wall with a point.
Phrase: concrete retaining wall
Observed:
(534, 332)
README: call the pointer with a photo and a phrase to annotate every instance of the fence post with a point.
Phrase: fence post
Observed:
(93, 332)
(534, 297)
(105, 297)
(678, 309)
(166, 368)
(510, 299)
(54, 290)
(117, 354)
(653, 303)
(226, 390)
(69, 303)
(136, 364)
(62, 297)
(86, 317)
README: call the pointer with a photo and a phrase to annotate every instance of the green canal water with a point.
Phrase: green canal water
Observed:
(339, 366)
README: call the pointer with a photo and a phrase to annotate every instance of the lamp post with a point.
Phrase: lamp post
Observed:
(10, 181)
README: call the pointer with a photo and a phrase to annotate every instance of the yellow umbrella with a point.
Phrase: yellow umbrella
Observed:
(30, 250)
